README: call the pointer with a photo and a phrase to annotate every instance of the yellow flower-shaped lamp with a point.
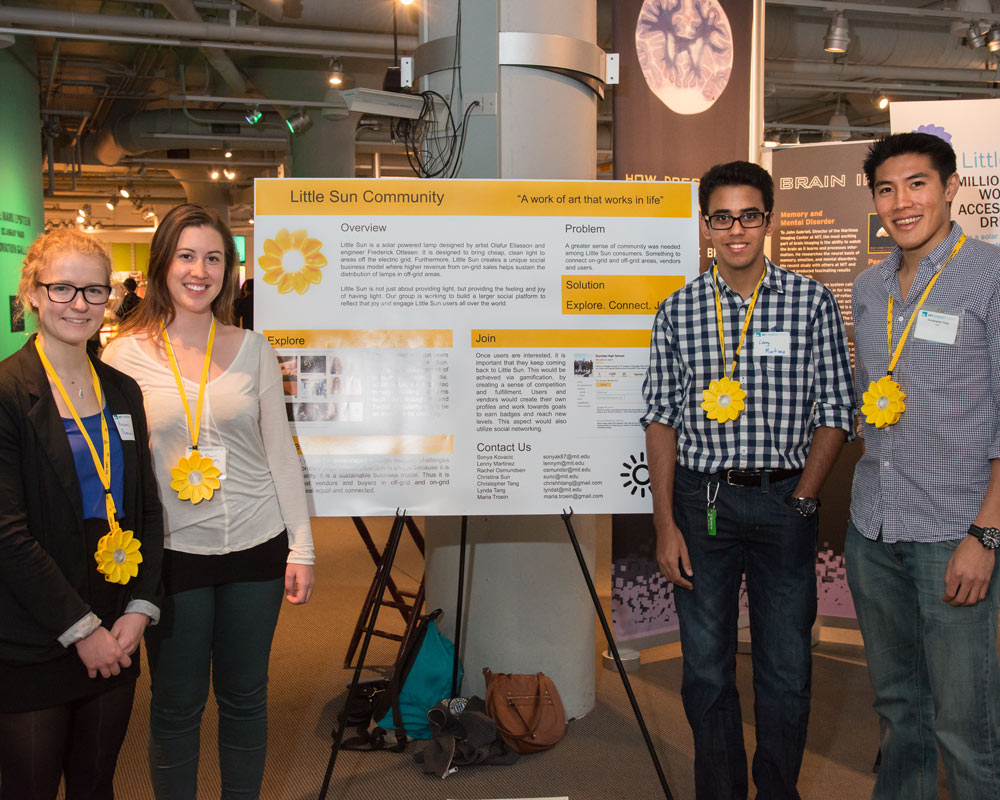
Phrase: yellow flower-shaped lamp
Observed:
(884, 402)
(292, 261)
(195, 478)
(118, 556)
(723, 400)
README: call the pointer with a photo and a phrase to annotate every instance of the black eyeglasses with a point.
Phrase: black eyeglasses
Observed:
(723, 222)
(96, 294)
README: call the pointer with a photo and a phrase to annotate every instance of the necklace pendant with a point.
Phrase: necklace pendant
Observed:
(195, 478)
(724, 400)
(884, 402)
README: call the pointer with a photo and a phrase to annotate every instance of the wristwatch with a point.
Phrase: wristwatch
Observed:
(806, 506)
(988, 537)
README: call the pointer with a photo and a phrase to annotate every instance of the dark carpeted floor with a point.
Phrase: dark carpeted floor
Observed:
(602, 756)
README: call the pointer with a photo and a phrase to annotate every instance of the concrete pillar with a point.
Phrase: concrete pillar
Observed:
(21, 203)
(526, 607)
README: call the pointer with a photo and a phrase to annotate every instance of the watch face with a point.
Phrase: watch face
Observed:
(991, 538)
(806, 506)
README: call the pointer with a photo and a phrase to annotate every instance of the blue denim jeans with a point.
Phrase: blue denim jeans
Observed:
(224, 632)
(757, 534)
(933, 666)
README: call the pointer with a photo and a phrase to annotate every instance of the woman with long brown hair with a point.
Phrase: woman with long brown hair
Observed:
(237, 525)
(81, 534)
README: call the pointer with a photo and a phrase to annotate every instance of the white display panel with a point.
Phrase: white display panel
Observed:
(456, 347)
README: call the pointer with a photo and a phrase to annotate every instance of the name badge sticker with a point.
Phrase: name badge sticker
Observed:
(124, 424)
(772, 343)
(218, 454)
(936, 326)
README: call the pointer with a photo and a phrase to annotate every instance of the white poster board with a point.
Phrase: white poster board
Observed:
(970, 127)
(458, 347)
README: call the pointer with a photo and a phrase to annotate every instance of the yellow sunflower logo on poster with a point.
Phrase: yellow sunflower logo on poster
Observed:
(292, 260)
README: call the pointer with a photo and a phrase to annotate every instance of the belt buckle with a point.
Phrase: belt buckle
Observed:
(729, 479)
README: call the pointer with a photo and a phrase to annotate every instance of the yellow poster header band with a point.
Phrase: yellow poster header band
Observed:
(375, 445)
(490, 338)
(306, 339)
(479, 198)
(616, 294)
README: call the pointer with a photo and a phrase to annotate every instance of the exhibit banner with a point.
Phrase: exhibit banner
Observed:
(683, 99)
(825, 226)
(459, 347)
(970, 127)
(682, 105)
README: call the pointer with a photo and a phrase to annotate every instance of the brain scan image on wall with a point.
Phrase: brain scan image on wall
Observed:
(685, 50)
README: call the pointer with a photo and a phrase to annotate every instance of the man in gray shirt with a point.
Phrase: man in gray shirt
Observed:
(925, 508)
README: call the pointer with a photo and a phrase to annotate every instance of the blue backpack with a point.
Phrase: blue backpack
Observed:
(421, 680)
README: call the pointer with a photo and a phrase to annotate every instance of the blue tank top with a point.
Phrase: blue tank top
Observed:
(91, 488)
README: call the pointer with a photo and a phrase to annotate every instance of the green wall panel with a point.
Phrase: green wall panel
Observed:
(21, 204)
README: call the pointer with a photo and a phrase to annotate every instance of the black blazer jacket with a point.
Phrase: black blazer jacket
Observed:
(44, 559)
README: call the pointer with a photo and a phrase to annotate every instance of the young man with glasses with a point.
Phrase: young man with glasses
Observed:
(925, 505)
(749, 400)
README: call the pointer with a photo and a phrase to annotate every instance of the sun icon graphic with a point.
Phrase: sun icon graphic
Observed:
(292, 261)
(636, 475)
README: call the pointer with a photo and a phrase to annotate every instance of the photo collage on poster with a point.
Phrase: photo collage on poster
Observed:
(323, 387)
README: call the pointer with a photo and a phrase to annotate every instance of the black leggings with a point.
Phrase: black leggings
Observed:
(80, 739)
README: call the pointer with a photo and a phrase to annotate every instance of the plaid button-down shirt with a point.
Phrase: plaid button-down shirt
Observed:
(788, 396)
(924, 478)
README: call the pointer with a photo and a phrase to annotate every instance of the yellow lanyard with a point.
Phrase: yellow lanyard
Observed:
(888, 322)
(103, 469)
(194, 426)
(746, 322)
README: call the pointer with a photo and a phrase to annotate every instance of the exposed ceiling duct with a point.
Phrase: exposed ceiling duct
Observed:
(54, 21)
(167, 129)
(221, 63)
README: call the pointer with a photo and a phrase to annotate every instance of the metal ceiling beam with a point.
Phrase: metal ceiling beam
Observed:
(952, 15)
(168, 42)
(876, 72)
(215, 32)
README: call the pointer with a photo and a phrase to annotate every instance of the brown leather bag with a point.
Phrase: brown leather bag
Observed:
(527, 710)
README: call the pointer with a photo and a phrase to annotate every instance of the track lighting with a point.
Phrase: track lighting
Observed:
(253, 115)
(230, 175)
(336, 72)
(214, 174)
(111, 202)
(838, 36)
(975, 36)
(299, 123)
(993, 39)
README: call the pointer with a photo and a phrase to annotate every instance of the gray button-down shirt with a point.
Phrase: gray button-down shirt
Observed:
(924, 478)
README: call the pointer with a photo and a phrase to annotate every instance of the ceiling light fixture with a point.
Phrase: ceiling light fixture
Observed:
(881, 101)
(226, 150)
(123, 190)
(84, 210)
(993, 39)
(974, 37)
(838, 36)
(230, 175)
(299, 123)
(253, 115)
(336, 72)
(111, 203)
(841, 124)
(214, 174)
